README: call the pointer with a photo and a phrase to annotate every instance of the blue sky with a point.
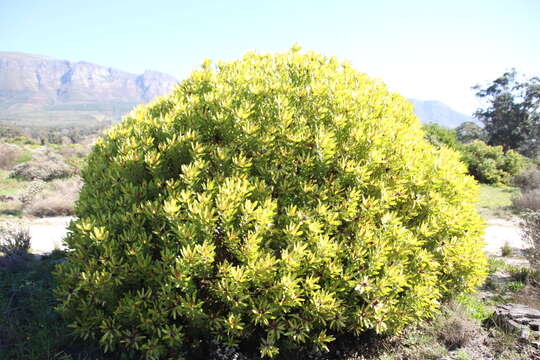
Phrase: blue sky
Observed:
(421, 49)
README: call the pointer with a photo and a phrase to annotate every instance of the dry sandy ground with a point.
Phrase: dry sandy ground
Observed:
(500, 231)
(48, 233)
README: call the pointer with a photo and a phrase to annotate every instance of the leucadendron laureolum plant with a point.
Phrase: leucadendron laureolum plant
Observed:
(280, 200)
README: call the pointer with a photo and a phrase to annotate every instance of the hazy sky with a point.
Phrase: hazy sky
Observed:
(423, 49)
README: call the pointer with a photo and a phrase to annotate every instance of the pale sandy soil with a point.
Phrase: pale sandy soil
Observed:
(48, 233)
(500, 231)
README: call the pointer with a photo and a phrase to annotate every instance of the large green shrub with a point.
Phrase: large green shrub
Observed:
(269, 202)
(491, 164)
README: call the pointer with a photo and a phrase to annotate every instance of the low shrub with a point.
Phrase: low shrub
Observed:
(455, 327)
(74, 151)
(14, 239)
(519, 274)
(515, 286)
(474, 307)
(491, 164)
(34, 188)
(57, 199)
(495, 265)
(528, 179)
(9, 155)
(527, 201)
(506, 249)
(44, 167)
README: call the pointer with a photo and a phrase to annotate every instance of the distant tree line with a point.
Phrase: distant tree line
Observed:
(49, 135)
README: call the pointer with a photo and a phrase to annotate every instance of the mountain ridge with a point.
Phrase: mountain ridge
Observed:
(435, 111)
(39, 90)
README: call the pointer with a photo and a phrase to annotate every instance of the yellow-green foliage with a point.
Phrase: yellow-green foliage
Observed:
(277, 200)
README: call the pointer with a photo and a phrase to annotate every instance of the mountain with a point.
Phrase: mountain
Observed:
(40, 90)
(436, 112)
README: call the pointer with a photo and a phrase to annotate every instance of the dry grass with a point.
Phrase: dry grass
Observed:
(463, 328)
(531, 234)
(74, 151)
(528, 179)
(58, 199)
(528, 200)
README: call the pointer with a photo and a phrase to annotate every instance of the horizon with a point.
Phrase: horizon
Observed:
(425, 51)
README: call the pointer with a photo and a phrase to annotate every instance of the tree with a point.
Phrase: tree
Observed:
(439, 135)
(469, 131)
(511, 116)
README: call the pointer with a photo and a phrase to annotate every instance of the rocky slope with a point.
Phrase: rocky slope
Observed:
(35, 84)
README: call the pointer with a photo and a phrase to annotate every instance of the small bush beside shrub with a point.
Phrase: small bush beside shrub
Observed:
(272, 203)
(506, 250)
(45, 167)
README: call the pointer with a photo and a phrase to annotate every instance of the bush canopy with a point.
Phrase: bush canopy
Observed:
(272, 203)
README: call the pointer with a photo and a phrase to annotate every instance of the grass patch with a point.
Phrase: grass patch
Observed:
(496, 201)
(29, 326)
(10, 186)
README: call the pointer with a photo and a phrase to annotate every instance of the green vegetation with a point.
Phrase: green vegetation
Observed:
(468, 132)
(218, 132)
(29, 327)
(510, 116)
(10, 186)
(39, 180)
(496, 201)
(272, 204)
(438, 136)
(488, 164)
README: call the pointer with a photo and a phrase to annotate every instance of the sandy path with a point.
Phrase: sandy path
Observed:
(500, 231)
(48, 233)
